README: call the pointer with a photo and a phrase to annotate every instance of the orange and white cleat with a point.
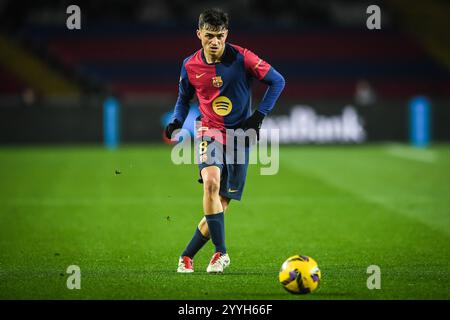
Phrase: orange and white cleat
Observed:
(219, 261)
(185, 265)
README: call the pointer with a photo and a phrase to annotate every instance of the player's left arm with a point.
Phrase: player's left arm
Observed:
(264, 72)
(276, 83)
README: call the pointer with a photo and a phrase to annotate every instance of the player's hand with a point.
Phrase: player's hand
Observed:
(171, 127)
(254, 122)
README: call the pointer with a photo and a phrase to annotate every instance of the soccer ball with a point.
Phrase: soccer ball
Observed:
(299, 275)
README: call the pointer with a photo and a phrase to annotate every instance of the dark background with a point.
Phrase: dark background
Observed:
(53, 81)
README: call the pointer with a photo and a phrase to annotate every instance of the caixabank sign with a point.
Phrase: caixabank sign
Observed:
(312, 122)
(339, 122)
(304, 124)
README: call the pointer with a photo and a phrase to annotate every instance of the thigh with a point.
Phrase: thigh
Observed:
(234, 175)
(209, 154)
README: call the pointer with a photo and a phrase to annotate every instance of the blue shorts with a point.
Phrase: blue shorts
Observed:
(233, 166)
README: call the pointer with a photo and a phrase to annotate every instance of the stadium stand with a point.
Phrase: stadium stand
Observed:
(323, 50)
(9, 84)
(316, 63)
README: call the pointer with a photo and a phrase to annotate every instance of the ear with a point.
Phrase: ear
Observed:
(198, 34)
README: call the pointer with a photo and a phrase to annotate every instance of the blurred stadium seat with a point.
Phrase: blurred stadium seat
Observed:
(134, 51)
(9, 84)
(317, 63)
(322, 49)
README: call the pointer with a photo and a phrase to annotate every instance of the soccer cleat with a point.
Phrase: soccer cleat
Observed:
(185, 265)
(218, 262)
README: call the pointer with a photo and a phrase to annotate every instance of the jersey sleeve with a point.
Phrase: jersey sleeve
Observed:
(185, 94)
(256, 66)
(276, 84)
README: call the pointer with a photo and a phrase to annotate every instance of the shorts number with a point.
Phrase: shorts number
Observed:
(203, 147)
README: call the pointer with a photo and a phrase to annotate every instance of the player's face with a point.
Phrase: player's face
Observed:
(213, 42)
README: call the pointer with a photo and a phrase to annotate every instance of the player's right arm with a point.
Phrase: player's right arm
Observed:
(185, 93)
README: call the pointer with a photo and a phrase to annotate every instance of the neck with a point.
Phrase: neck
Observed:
(214, 58)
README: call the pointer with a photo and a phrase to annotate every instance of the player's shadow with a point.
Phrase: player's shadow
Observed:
(314, 296)
(229, 274)
(204, 273)
(245, 273)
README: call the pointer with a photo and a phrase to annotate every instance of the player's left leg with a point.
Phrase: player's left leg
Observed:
(231, 187)
(200, 238)
(203, 226)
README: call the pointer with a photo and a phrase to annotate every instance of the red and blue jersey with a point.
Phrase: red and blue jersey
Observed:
(223, 89)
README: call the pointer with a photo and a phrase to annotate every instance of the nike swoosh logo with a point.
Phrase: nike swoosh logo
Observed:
(232, 190)
(199, 75)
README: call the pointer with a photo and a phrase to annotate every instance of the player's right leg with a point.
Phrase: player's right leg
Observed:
(211, 186)
(203, 226)
(210, 177)
(214, 215)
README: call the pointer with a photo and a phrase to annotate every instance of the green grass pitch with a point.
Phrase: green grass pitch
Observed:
(348, 207)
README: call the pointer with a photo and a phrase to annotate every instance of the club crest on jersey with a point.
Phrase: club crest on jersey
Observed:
(217, 81)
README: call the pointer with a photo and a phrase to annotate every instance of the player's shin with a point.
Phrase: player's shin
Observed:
(216, 226)
(197, 242)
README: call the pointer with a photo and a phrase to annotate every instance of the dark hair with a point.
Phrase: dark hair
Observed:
(213, 19)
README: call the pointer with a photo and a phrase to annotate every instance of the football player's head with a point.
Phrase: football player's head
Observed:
(213, 31)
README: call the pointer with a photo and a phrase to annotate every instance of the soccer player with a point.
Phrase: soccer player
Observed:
(220, 74)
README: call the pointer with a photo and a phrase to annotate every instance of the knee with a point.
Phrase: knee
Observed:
(211, 185)
(224, 205)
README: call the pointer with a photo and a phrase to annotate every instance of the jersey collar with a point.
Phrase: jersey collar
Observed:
(222, 58)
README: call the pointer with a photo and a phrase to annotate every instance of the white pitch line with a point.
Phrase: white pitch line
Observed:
(411, 153)
(55, 202)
